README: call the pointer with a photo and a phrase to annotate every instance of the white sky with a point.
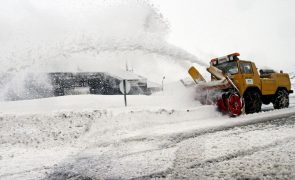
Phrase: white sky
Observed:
(261, 30)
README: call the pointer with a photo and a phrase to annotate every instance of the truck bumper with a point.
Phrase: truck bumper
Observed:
(291, 91)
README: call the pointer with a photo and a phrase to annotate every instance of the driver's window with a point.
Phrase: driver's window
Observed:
(233, 70)
(246, 68)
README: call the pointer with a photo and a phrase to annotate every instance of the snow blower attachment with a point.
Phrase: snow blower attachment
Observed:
(220, 91)
(236, 86)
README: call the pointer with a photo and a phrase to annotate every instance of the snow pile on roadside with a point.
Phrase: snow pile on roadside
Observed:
(44, 131)
(175, 96)
(35, 143)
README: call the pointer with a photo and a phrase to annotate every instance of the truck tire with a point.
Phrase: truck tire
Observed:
(253, 101)
(281, 99)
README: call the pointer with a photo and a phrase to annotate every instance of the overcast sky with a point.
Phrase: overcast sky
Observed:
(261, 30)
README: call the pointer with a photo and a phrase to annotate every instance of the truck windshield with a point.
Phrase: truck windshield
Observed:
(228, 67)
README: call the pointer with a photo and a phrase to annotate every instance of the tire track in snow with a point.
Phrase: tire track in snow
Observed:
(242, 153)
(37, 170)
(203, 164)
(270, 125)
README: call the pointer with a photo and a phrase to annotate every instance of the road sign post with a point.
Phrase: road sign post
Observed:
(125, 88)
(125, 98)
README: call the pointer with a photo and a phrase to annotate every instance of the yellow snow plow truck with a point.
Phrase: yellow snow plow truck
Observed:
(236, 86)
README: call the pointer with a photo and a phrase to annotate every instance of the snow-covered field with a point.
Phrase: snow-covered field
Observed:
(97, 137)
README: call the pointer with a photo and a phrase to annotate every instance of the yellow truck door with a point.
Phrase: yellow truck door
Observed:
(249, 75)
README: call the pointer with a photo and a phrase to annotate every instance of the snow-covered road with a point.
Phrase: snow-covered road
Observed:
(139, 141)
(259, 151)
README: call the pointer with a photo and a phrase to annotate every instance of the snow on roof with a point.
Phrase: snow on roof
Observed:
(120, 74)
(153, 85)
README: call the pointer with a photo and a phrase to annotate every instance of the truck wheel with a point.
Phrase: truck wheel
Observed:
(281, 99)
(253, 102)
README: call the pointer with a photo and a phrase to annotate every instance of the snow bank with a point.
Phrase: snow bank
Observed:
(175, 96)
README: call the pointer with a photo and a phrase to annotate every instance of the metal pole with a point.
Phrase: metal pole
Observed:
(163, 83)
(124, 87)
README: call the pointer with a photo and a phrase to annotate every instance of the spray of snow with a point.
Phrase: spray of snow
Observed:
(50, 36)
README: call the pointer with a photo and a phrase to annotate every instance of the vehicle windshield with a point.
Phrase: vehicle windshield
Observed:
(228, 67)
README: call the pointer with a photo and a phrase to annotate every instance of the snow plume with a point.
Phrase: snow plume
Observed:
(88, 35)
